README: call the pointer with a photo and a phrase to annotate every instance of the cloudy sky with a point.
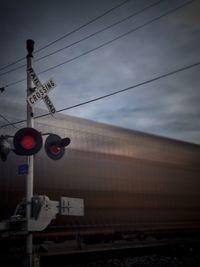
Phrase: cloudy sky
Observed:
(167, 107)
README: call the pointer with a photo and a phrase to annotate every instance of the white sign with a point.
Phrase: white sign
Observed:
(41, 91)
(34, 77)
(71, 206)
(49, 104)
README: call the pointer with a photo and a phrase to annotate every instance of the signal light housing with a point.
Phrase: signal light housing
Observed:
(27, 141)
(55, 146)
(5, 148)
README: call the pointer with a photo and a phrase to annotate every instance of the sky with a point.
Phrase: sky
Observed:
(167, 107)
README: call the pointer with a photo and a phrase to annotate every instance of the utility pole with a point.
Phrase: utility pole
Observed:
(30, 161)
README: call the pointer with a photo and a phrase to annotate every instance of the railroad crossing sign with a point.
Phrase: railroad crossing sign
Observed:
(41, 91)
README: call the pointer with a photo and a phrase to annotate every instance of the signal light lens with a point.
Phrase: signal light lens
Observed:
(55, 149)
(27, 141)
(55, 146)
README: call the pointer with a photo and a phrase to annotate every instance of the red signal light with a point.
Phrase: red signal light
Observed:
(55, 149)
(27, 141)
(55, 146)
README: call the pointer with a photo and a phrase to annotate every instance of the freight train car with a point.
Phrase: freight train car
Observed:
(130, 181)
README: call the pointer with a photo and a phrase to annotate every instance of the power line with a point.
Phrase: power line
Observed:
(102, 30)
(84, 25)
(85, 38)
(13, 69)
(110, 41)
(129, 88)
(69, 33)
(116, 92)
(10, 123)
(118, 37)
(10, 64)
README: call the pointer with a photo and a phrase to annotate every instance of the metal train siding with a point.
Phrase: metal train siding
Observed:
(128, 180)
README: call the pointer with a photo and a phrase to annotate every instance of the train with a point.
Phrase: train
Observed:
(131, 182)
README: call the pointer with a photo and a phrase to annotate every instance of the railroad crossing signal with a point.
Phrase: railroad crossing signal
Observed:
(27, 141)
(41, 91)
(55, 146)
(5, 148)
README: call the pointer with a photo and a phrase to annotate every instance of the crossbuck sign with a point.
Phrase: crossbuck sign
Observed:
(41, 91)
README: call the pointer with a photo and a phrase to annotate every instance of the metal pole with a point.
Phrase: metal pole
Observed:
(30, 160)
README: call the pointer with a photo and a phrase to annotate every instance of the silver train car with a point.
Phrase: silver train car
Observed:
(130, 181)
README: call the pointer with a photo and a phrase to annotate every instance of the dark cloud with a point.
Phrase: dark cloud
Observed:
(168, 107)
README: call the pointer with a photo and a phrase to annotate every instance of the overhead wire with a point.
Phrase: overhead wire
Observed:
(108, 42)
(86, 37)
(10, 123)
(119, 91)
(84, 25)
(196, 64)
(69, 33)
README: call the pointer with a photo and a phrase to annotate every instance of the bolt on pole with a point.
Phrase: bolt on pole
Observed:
(30, 160)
